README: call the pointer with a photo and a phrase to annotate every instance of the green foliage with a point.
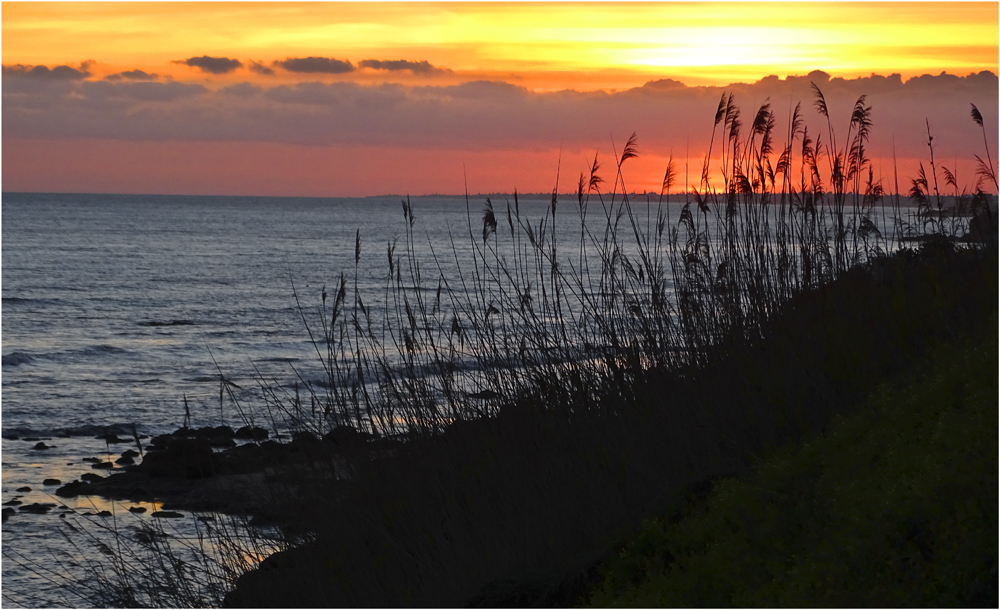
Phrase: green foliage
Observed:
(896, 506)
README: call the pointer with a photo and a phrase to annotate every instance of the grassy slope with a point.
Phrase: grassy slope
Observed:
(895, 506)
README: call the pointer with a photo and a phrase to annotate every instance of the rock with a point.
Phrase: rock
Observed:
(206, 518)
(13, 503)
(7, 512)
(51, 482)
(137, 509)
(31, 439)
(24, 489)
(125, 461)
(10, 437)
(37, 508)
(130, 453)
(184, 458)
(91, 477)
(72, 489)
(346, 436)
(92, 460)
(41, 446)
(103, 465)
(251, 433)
(162, 441)
(166, 514)
(303, 437)
(105, 513)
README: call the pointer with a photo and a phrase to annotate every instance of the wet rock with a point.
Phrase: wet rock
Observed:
(222, 442)
(166, 514)
(51, 482)
(252, 433)
(31, 439)
(10, 437)
(38, 508)
(184, 458)
(12, 503)
(125, 461)
(105, 513)
(346, 436)
(72, 489)
(103, 465)
(130, 453)
(91, 460)
(303, 437)
(24, 489)
(7, 512)
(162, 441)
(42, 446)
(113, 438)
(137, 509)
(91, 477)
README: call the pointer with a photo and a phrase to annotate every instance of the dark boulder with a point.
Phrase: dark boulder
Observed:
(166, 514)
(184, 458)
(125, 461)
(253, 433)
(24, 489)
(51, 482)
(41, 446)
(37, 508)
(72, 489)
(346, 436)
(102, 466)
(137, 509)
(130, 453)
(91, 477)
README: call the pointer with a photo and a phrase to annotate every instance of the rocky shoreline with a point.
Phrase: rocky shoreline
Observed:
(220, 470)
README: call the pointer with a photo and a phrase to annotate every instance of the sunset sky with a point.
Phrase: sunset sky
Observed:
(375, 98)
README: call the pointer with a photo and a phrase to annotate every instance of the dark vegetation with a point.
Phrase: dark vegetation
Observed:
(611, 373)
(895, 507)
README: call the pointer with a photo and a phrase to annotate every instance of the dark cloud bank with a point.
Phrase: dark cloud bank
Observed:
(668, 116)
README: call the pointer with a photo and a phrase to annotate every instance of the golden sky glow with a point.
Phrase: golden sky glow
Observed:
(542, 46)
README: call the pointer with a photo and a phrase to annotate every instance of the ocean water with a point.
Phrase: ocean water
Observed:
(116, 309)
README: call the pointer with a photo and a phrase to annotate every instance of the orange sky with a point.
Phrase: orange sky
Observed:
(424, 48)
(545, 46)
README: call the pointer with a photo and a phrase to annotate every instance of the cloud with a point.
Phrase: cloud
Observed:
(487, 116)
(132, 75)
(212, 65)
(417, 67)
(260, 68)
(45, 73)
(315, 65)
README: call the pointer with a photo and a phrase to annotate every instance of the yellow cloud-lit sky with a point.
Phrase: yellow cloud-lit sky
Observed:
(540, 45)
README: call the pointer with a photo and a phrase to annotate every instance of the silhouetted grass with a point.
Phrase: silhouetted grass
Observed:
(525, 414)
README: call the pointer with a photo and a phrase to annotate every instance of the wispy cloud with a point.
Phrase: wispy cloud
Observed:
(316, 65)
(46, 73)
(260, 68)
(395, 65)
(212, 65)
(132, 75)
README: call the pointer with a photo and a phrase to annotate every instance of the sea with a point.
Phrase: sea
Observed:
(125, 310)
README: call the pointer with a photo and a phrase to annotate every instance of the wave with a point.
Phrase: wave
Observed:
(87, 430)
(170, 323)
(100, 349)
(17, 359)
